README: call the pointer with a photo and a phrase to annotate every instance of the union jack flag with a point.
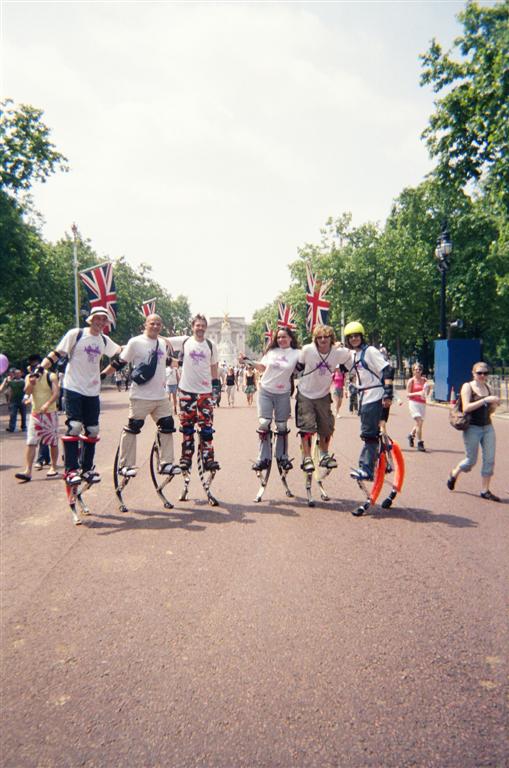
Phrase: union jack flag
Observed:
(286, 317)
(317, 306)
(149, 307)
(100, 287)
(269, 333)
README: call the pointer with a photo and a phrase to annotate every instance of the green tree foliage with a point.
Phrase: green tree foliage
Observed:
(26, 153)
(37, 287)
(469, 131)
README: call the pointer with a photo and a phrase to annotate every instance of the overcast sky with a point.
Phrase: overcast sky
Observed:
(211, 140)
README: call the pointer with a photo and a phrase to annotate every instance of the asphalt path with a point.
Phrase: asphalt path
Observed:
(269, 634)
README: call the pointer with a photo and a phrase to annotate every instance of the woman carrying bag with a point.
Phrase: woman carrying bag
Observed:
(478, 402)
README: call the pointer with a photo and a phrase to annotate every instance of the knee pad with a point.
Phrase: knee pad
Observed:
(206, 434)
(74, 428)
(264, 425)
(166, 425)
(282, 428)
(92, 431)
(89, 439)
(187, 429)
(134, 426)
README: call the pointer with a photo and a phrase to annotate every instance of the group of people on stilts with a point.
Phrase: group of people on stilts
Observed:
(284, 367)
(149, 354)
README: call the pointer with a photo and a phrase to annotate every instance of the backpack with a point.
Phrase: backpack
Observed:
(457, 418)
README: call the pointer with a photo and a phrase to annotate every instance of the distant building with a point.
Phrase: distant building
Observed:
(229, 333)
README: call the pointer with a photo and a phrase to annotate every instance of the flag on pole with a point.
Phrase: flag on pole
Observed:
(269, 333)
(148, 307)
(100, 287)
(286, 317)
(317, 306)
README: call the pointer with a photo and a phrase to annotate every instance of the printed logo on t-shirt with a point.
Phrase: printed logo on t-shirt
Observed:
(197, 356)
(92, 353)
(323, 368)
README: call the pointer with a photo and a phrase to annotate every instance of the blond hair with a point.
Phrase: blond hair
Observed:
(324, 330)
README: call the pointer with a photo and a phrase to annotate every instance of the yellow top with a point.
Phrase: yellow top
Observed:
(41, 392)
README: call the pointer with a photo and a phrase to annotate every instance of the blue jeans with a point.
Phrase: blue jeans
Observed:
(13, 412)
(473, 437)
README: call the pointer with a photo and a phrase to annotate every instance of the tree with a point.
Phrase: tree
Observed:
(469, 131)
(26, 152)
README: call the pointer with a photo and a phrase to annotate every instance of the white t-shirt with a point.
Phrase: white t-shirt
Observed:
(363, 378)
(280, 364)
(195, 375)
(82, 374)
(138, 350)
(171, 375)
(319, 369)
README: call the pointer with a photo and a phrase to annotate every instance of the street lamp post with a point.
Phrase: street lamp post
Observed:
(442, 253)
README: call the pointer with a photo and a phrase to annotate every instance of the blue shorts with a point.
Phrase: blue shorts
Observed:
(82, 408)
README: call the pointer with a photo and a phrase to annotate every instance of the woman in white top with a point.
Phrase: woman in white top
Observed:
(276, 366)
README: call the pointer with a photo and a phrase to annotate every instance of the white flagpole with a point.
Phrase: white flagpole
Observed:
(75, 266)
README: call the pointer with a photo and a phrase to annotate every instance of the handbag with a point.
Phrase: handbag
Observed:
(143, 372)
(457, 418)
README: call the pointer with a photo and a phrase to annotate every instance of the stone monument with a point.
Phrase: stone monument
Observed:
(226, 351)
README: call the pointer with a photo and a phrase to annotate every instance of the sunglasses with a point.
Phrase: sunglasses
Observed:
(481, 373)
(320, 338)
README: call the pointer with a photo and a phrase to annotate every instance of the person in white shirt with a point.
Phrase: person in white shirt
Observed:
(172, 382)
(198, 386)
(318, 361)
(374, 381)
(147, 399)
(277, 367)
(82, 383)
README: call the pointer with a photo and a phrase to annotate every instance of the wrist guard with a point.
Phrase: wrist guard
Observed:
(216, 386)
(117, 363)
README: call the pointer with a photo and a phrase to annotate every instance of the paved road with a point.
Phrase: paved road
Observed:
(257, 635)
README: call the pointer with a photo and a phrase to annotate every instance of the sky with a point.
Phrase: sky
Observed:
(211, 140)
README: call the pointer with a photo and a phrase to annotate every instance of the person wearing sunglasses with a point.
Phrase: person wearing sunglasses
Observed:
(374, 382)
(318, 361)
(477, 400)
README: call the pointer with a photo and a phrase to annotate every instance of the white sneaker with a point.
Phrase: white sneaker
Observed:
(90, 477)
(170, 469)
(73, 477)
(127, 472)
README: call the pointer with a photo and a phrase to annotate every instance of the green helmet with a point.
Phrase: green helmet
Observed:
(354, 327)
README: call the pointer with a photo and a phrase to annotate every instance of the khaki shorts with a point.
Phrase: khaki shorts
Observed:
(314, 415)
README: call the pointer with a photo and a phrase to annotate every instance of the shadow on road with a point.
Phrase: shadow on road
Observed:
(424, 516)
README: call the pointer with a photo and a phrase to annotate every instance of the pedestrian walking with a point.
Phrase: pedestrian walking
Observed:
(249, 383)
(480, 404)
(230, 385)
(417, 390)
(14, 387)
(43, 392)
(172, 381)
(338, 386)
